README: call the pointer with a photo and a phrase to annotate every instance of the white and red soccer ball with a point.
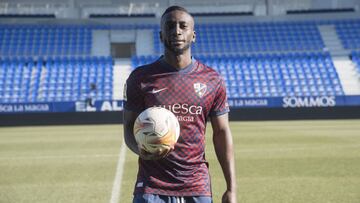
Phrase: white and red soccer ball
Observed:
(156, 130)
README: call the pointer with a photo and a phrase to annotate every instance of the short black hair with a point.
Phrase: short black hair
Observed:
(175, 8)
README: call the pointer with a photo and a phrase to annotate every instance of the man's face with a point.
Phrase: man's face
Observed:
(177, 31)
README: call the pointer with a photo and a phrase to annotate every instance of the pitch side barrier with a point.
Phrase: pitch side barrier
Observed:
(295, 102)
(234, 103)
(60, 113)
(104, 112)
(295, 108)
(60, 107)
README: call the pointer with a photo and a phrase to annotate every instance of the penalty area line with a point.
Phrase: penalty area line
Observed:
(116, 189)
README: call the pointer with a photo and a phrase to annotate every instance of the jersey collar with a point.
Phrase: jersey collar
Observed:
(168, 67)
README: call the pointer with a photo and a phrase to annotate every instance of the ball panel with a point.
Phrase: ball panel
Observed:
(169, 139)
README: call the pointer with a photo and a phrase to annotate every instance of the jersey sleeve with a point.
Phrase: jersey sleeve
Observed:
(220, 105)
(133, 96)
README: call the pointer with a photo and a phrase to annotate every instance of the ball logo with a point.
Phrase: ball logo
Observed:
(296, 102)
(200, 89)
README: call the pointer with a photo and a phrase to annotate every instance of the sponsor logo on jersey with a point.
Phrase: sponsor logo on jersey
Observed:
(183, 108)
(184, 112)
(200, 89)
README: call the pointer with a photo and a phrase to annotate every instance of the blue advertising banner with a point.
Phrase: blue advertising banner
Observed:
(52, 107)
(117, 105)
(294, 102)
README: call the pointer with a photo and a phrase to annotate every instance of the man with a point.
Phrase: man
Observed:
(91, 95)
(194, 93)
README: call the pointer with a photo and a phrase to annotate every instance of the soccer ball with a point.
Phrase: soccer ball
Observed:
(157, 130)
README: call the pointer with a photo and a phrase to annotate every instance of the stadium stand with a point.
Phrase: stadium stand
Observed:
(275, 61)
(272, 75)
(45, 40)
(259, 59)
(349, 33)
(69, 79)
(55, 79)
(254, 37)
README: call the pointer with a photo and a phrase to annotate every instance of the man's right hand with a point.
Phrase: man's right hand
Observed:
(229, 197)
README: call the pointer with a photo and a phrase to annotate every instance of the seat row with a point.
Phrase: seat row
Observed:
(26, 80)
(308, 74)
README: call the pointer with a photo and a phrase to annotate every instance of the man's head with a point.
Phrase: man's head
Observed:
(177, 30)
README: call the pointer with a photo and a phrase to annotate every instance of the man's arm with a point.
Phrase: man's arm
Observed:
(129, 119)
(223, 144)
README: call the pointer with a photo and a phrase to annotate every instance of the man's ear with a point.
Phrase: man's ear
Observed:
(194, 37)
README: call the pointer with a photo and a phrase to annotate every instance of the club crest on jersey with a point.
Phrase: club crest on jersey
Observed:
(200, 89)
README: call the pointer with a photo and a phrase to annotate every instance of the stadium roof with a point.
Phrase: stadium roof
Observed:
(156, 7)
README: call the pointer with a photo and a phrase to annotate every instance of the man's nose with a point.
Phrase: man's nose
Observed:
(177, 30)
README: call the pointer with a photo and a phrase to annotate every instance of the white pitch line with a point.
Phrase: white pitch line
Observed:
(116, 189)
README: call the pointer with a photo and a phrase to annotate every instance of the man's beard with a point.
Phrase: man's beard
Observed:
(176, 50)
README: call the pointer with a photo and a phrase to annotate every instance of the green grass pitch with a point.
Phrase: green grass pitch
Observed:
(276, 162)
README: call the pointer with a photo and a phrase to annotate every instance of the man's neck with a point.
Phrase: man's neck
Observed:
(178, 61)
